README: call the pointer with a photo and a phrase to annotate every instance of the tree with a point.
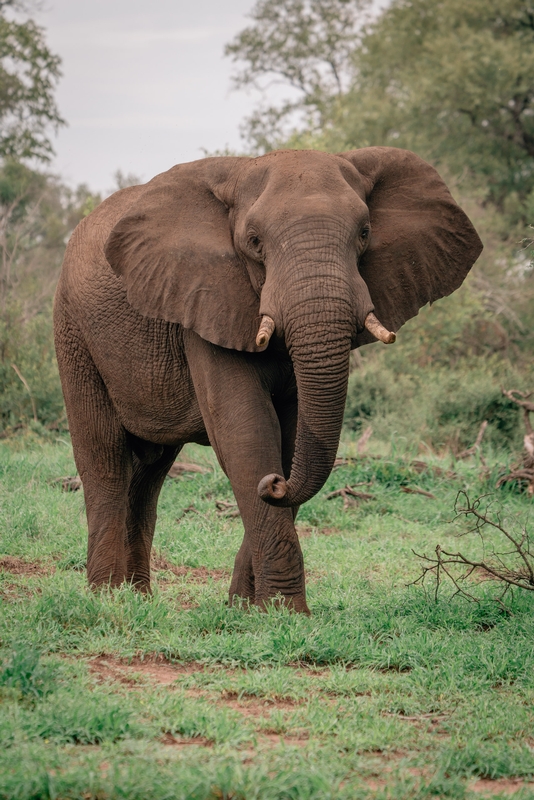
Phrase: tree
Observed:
(454, 81)
(29, 72)
(305, 45)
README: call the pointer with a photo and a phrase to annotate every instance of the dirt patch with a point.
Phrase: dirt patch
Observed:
(253, 706)
(272, 739)
(500, 786)
(17, 566)
(193, 574)
(156, 668)
(175, 741)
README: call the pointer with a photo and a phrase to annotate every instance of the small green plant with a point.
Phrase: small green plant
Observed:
(23, 670)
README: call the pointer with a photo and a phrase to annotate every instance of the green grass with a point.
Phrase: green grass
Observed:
(381, 693)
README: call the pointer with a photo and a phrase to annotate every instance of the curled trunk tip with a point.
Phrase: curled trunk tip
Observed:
(377, 329)
(273, 489)
(266, 330)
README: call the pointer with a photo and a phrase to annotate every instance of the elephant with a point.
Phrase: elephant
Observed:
(218, 304)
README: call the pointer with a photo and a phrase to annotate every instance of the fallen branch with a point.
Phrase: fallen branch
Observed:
(361, 444)
(189, 510)
(227, 509)
(67, 483)
(26, 386)
(179, 467)
(523, 402)
(472, 450)
(415, 490)
(347, 492)
(523, 472)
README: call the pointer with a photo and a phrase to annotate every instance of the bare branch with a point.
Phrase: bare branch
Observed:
(472, 450)
(513, 567)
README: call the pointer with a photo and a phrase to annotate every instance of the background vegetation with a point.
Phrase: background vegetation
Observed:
(453, 81)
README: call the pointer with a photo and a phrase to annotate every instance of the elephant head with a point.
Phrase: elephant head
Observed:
(331, 251)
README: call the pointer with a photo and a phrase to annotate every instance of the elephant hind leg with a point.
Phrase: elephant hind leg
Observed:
(145, 486)
(102, 453)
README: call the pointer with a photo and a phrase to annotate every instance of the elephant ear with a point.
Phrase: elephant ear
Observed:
(422, 244)
(174, 252)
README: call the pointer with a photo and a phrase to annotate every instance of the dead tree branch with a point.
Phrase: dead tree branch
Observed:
(523, 472)
(512, 565)
(348, 492)
(472, 450)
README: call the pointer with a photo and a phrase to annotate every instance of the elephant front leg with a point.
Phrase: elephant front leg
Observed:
(234, 391)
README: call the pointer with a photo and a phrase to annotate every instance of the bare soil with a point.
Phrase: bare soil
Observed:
(17, 566)
(156, 668)
(193, 574)
(508, 786)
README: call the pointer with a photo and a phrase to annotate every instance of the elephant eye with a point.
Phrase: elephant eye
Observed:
(365, 233)
(255, 243)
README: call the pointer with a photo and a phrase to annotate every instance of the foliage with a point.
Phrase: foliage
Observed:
(441, 379)
(305, 44)
(455, 82)
(29, 72)
(37, 214)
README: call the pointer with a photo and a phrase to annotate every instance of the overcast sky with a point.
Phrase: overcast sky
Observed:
(144, 85)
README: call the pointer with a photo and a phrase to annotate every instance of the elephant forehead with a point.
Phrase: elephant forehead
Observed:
(301, 173)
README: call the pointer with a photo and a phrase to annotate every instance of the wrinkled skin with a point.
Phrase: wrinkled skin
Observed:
(156, 314)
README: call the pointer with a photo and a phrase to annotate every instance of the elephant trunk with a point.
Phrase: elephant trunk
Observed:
(318, 336)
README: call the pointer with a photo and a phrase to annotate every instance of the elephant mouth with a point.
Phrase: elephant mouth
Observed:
(372, 324)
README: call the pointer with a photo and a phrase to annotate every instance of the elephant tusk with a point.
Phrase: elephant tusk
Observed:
(266, 330)
(377, 329)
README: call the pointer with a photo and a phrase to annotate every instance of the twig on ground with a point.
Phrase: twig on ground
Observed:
(179, 467)
(347, 492)
(227, 509)
(189, 510)
(415, 490)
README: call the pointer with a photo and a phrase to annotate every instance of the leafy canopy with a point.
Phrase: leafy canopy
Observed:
(303, 44)
(29, 72)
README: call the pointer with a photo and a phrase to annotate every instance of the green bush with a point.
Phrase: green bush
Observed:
(440, 381)
(27, 350)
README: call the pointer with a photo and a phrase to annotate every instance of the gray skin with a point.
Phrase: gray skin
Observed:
(156, 315)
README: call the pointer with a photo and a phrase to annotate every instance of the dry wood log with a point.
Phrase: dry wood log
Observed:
(68, 483)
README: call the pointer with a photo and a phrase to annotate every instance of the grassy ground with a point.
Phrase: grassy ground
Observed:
(381, 693)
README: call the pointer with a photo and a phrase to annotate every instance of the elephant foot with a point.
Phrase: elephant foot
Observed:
(295, 603)
(266, 590)
(243, 584)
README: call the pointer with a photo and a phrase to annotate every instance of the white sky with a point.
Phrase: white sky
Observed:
(144, 85)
